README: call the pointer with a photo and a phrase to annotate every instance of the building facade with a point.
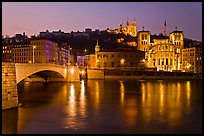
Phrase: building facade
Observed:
(116, 58)
(162, 52)
(37, 51)
(192, 59)
(7, 53)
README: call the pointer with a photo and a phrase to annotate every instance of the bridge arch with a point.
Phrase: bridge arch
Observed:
(24, 70)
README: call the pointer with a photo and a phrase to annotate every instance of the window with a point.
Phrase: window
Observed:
(162, 61)
(112, 64)
(143, 37)
(166, 61)
(105, 64)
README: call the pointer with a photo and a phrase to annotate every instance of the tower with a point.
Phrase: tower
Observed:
(165, 28)
(177, 39)
(97, 48)
(134, 27)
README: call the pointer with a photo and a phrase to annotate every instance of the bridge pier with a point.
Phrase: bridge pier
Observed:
(73, 74)
(9, 86)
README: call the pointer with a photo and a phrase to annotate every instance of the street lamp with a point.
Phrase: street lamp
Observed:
(33, 53)
(122, 61)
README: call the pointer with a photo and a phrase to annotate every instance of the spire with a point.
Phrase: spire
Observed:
(165, 28)
(97, 47)
(97, 43)
(165, 23)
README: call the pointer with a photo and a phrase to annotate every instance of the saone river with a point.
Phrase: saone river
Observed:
(107, 106)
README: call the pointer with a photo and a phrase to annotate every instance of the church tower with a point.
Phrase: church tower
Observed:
(177, 39)
(165, 28)
(97, 48)
(134, 29)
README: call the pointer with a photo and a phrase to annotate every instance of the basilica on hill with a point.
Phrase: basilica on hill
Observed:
(129, 29)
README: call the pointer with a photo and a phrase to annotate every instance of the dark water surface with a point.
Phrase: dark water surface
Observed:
(107, 106)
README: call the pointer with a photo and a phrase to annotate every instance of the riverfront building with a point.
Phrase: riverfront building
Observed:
(192, 59)
(7, 53)
(116, 58)
(37, 51)
(162, 52)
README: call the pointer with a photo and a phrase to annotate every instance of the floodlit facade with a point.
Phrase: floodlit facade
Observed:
(116, 58)
(192, 59)
(163, 53)
(37, 51)
(7, 53)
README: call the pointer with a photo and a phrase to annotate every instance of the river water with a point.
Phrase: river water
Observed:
(107, 106)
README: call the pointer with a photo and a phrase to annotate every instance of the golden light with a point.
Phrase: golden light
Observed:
(72, 70)
(72, 90)
(143, 60)
(34, 47)
(97, 60)
(122, 61)
(82, 72)
(122, 91)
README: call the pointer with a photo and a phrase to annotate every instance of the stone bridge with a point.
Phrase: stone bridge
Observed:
(24, 70)
(13, 73)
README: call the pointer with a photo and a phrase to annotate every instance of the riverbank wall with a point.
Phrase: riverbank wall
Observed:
(140, 75)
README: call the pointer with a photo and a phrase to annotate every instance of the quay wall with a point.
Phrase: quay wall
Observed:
(95, 74)
(152, 77)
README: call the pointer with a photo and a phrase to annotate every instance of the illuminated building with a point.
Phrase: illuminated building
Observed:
(22, 53)
(37, 51)
(7, 53)
(46, 51)
(162, 52)
(143, 40)
(192, 59)
(129, 29)
(116, 58)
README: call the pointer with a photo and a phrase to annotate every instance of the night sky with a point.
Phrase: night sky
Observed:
(35, 17)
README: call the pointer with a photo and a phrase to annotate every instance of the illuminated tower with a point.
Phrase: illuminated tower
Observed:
(97, 48)
(177, 39)
(134, 29)
(165, 28)
(143, 40)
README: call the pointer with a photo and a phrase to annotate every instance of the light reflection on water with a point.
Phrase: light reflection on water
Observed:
(105, 106)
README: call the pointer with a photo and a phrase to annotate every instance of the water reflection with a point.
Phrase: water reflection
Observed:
(98, 106)
(97, 95)
(166, 102)
(76, 108)
(122, 91)
(10, 121)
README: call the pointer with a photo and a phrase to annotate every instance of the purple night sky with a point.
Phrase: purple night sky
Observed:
(35, 17)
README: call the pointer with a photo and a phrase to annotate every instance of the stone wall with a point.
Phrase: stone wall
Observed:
(95, 74)
(9, 86)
